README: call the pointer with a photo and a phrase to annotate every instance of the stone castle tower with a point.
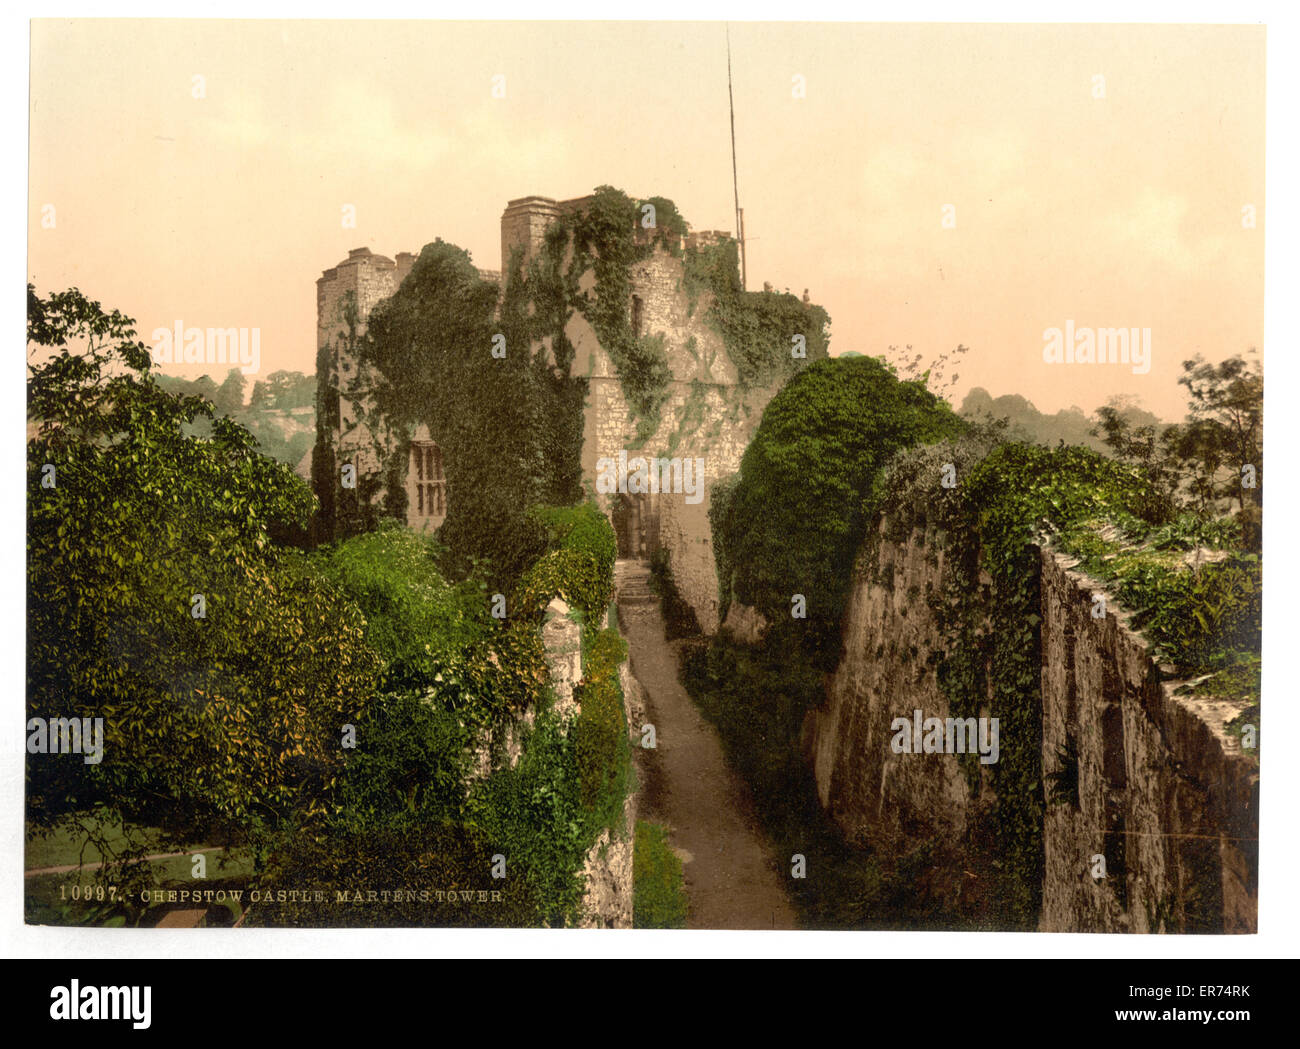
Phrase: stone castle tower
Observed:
(708, 416)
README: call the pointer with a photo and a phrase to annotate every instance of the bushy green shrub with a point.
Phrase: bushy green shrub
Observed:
(603, 652)
(408, 766)
(436, 638)
(721, 497)
(414, 619)
(1202, 616)
(600, 729)
(670, 226)
(797, 515)
(578, 565)
(534, 816)
(659, 889)
(465, 673)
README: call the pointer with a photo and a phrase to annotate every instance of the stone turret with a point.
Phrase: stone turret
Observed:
(523, 227)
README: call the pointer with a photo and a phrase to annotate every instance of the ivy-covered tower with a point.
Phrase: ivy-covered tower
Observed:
(678, 361)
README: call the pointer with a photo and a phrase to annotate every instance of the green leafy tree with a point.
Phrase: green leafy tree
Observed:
(1157, 452)
(1216, 454)
(283, 389)
(223, 667)
(1226, 416)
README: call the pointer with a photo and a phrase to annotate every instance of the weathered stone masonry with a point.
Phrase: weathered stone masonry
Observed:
(1164, 794)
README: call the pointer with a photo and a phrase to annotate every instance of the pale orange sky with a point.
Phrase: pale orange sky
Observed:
(1117, 212)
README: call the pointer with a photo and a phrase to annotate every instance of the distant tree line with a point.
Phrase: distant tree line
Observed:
(1210, 463)
(279, 392)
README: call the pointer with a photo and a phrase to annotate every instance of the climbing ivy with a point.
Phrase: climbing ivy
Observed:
(1195, 594)
(509, 427)
(758, 328)
(603, 237)
(1004, 502)
(670, 227)
(578, 564)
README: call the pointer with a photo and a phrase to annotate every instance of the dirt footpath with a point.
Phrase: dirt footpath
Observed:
(732, 878)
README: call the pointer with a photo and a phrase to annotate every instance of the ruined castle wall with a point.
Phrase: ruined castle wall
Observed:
(705, 416)
(367, 279)
(666, 308)
(727, 420)
(876, 796)
(1165, 797)
(523, 227)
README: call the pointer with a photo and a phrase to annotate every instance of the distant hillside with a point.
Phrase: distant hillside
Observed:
(281, 413)
(1070, 425)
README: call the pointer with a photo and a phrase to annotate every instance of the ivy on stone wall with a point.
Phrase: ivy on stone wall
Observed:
(670, 227)
(578, 565)
(987, 522)
(509, 427)
(603, 236)
(688, 418)
(324, 481)
(601, 748)
(758, 328)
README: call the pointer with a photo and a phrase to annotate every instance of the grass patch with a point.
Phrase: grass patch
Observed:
(659, 893)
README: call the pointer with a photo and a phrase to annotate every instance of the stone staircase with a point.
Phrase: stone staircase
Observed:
(632, 584)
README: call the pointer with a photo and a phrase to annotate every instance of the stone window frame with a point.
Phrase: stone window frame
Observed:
(429, 480)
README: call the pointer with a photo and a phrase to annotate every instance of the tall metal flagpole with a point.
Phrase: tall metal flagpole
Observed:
(735, 185)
